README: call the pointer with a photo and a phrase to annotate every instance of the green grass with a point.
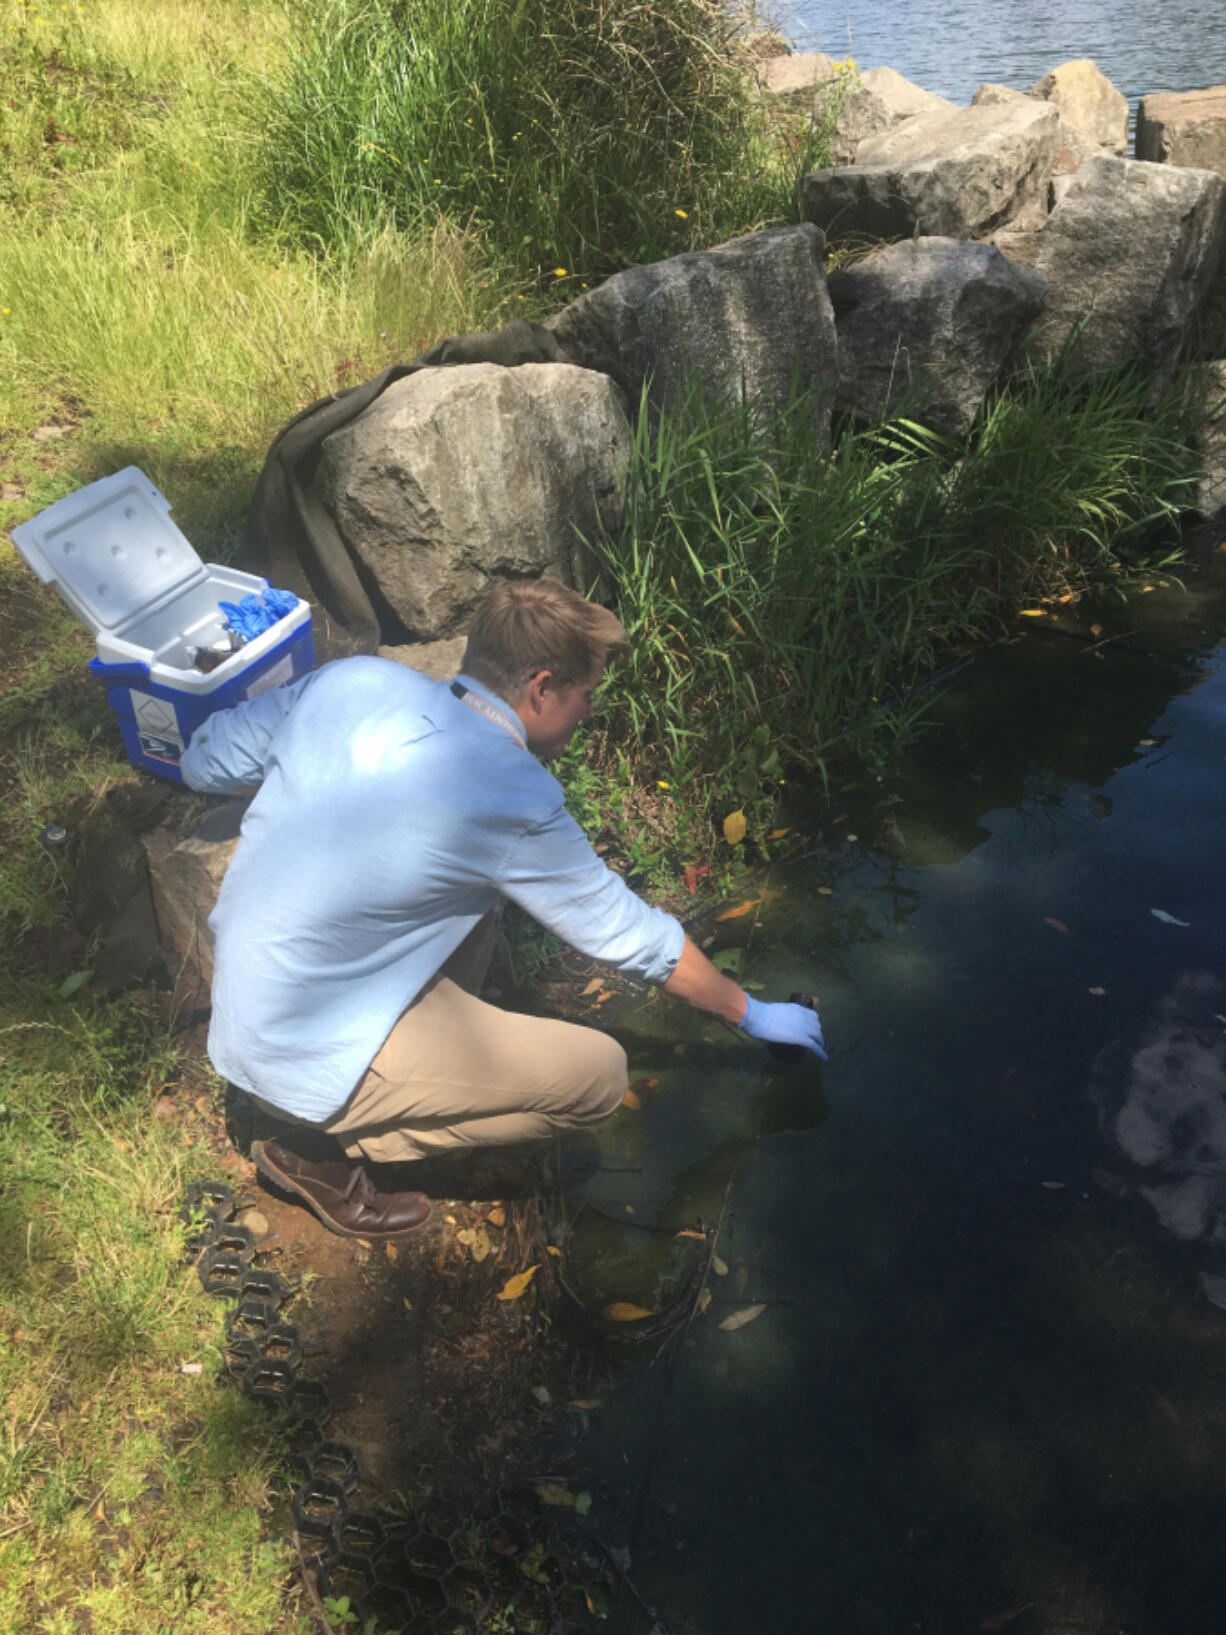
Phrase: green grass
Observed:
(780, 607)
(575, 136)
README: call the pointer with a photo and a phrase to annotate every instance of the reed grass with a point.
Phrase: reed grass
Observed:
(576, 136)
(781, 606)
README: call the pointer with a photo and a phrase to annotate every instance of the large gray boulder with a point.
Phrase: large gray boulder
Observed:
(926, 325)
(882, 98)
(952, 174)
(752, 314)
(1184, 128)
(1133, 249)
(456, 477)
(1211, 490)
(1093, 114)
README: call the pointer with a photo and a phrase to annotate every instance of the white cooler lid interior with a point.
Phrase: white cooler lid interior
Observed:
(110, 549)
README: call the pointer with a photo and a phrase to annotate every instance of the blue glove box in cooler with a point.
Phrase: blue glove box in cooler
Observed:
(124, 568)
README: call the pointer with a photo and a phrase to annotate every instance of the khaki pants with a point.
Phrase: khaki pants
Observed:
(457, 1072)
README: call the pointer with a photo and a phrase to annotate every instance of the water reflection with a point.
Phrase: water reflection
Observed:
(980, 1381)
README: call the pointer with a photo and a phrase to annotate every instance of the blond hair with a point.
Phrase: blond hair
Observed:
(524, 626)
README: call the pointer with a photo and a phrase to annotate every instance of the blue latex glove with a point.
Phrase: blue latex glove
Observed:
(784, 1025)
(258, 612)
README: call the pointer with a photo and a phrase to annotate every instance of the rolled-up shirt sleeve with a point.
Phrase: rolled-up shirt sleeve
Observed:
(554, 874)
(229, 750)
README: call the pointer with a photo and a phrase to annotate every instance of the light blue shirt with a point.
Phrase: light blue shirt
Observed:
(390, 817)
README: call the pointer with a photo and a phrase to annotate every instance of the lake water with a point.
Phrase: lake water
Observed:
(1141, 45)
(989, 1377)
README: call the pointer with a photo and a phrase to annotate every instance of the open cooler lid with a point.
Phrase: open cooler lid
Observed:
(110, 549)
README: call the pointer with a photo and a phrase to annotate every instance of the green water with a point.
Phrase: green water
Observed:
(987, 1376)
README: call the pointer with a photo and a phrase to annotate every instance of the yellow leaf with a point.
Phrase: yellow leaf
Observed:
(718, 1266)
(593, 985)
(554, 1493)
(554, 1250)
(515, 1286)
(481, 1245)
(632, 1101)
(621, 1311)
(740, 1318)
(704, 1299)
(778, 834)
(588, 1402)
(391, 1251)
(735, 827)
(991, 1625)
(1096, 630)
(825, 891)
(497, 1217)
(741, 908)
(688, 1232)
(1031, 613)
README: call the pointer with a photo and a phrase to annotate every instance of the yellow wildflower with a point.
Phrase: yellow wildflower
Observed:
(559, 272)
(684, 214)
(660, 784)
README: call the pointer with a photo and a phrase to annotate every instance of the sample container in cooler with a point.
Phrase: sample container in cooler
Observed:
(124, 568)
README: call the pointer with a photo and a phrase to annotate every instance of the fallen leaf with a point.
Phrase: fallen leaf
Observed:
(852, 837)
(497, 1217)
(450, 1219)
(644, 1084)
(1096, 630)
(738, 1319)
(1098, 992)
(1053, 1186)
(632, 1101)
(589, 1404)
(718, 1266)
(1142, 589)
(704, 1299)
(1056, 925)
(690, 876)
(391, 1251)
(99, 1511)
(991, 1625)
(467, 1236)
(778, 834)
(825, 891)
(540, 1393)
(622, 1311)
(1168, 919)
(593, 986)
(688, 1232)
(515, 1286)
(629, 1209)
(554, 1493)
(735, 827)
(481, 1246)
(408, 1304)
(741, 908)
(1031, 613)
(553, 1249)
(1067, 597)
(605, 993)
(583, 1503)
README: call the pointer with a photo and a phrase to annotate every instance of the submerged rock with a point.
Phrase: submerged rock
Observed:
(456, 477)
(927, 325)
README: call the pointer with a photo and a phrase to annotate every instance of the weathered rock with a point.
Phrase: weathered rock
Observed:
(950, 175)
(109, 895)
(1133, 249)
(990, 95)
(1184, 128)
(186, 871)
(441, 661)
(881, 100)
(752, 314)
(456, 477)
(794, 78)
(1211, 490)
(927, 325)
(1093, 114)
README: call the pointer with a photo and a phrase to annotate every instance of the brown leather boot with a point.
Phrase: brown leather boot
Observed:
(341, 1194)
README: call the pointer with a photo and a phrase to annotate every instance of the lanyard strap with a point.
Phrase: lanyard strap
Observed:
(482, 707)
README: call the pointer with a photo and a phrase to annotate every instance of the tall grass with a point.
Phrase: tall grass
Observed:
(575, 136)
(780, 606)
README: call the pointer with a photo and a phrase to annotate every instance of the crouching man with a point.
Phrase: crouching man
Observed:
(392, 815)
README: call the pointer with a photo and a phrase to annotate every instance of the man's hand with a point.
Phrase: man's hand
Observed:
(784, 1025)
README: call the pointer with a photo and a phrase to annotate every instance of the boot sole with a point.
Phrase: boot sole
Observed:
(286, 1183)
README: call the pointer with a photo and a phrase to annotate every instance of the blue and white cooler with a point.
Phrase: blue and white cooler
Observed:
(124, 568)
